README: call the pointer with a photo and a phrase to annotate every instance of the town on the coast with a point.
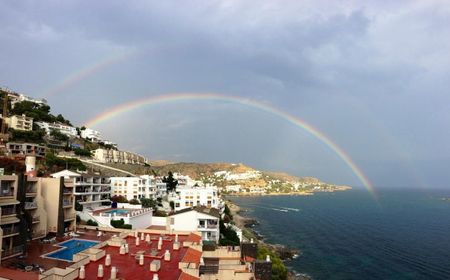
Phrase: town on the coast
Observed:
(74, 205)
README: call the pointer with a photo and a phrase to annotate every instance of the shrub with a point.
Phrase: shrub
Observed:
(82, 152)
(120, 224)
(119, 199)
(91, 223)
(134, 201)
(78, 206)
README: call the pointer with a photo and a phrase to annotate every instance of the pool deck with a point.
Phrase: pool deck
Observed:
(35, 250)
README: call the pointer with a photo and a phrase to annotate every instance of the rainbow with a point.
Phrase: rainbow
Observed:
(84, 73)
(168, 98)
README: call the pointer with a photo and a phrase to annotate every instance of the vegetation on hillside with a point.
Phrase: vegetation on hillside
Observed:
(55, 164)
(279, 270)
(39, 112)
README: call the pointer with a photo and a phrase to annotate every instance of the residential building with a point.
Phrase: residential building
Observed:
(21, 122)
(10, 218)
(15, 97)
(90, 190)
(91, 134)
(132, 187)
(60, 127)
(157, 187)
(202, 219)
(25, 149)
(196, 196)
(115, 156)
(59, 199)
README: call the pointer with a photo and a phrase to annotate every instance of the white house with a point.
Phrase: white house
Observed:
(233, 188)
(90, 190)
(63, 128)
(20, 122)
(202, 219)
(196, 196)
(91, 134)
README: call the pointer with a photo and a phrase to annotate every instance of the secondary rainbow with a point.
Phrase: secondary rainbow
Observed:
(169, 98)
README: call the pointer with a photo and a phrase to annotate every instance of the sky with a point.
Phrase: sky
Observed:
(373, 76)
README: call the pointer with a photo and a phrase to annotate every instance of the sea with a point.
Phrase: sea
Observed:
(397, 234)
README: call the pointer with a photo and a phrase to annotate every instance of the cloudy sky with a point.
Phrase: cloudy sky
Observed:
(373, 76)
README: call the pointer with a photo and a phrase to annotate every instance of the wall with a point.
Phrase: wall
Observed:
(50, 193)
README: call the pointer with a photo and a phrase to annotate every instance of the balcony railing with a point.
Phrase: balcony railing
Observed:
(30, 205)
(9, 231)
(67, 203)
(13, 251)
(69, 217)
(31, 190)
(6, 193)
(36, 219)
(8, 211)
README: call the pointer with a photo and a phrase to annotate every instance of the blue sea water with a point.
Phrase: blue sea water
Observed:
(403, 234)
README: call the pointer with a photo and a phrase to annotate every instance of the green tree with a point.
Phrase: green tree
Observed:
(279, 270)
(56, 134)
(82, 152)
(119, 199)
(170, 182)
(148, 203)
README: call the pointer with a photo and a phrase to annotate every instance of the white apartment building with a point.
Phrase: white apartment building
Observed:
(20, 122)
(63, 128)
(202, 219)
(91, 134)
(132, 187)
(115, 156)
(17, 97)
(196, 196)
(90, 190)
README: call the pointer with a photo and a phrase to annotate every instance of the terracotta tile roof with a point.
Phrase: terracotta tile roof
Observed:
(249, 259)
(200, 209)
(185, 276)
(194, 238)
(192, 256)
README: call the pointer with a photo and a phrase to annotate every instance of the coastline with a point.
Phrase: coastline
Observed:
(305, 193)
(245, 224)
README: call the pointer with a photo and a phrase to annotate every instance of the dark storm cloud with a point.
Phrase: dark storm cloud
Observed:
(373, 76)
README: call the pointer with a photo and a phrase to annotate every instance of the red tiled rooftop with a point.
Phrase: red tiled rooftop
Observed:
(129, 268)
(192, 256)
(185, 276)
(194, 238)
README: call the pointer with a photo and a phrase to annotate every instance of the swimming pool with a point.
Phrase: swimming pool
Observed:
(118, 211)
(70, 247)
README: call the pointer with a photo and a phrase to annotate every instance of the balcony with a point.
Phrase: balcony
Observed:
(31, 192)
(67, 203)
(30, 205)
(6, 193)
(69, 217)
(10, 231)
(14, 251)
(8, 211)
(36, 219)
(67, 191)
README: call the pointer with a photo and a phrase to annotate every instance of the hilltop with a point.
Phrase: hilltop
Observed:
(230, 177)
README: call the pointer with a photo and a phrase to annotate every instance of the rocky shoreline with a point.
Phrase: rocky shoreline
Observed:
(285, 253)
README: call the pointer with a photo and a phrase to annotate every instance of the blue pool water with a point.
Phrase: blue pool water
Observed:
(71, 247)
(118, 211)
